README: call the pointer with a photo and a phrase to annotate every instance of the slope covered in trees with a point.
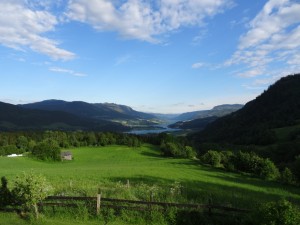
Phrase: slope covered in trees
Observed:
(261, 121)
(218, 111)
(17, 118)
(107, 111)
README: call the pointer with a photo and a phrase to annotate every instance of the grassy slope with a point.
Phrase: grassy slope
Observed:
(95, 168)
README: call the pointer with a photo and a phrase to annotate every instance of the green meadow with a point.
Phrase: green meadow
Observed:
(137, 173)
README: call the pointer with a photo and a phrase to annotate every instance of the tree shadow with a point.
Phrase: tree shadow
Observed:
(204, 192)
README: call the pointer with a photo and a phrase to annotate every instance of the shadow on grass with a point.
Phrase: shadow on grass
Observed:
(257, 182)
(202, 192)
(152, 154)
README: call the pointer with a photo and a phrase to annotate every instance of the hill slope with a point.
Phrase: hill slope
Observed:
(106, 111)
(17, 118)
(198, 120)
(196, 124)
(220, 110)
(257, 121)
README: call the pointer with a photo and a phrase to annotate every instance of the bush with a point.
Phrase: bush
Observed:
(268, 170)
(227, 158)
(29, 190)
(278, 213)
(47, 150)
(212, 158)
(287, 176)
(189, 152)
(252, 163)
(171, 149)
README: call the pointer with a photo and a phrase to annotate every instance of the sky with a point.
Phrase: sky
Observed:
(162, 56)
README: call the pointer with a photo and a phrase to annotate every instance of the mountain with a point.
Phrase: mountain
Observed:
(99, 111)
(197, 124)
(218, 111)
(198, 120)
(271, 118)
(14, 117)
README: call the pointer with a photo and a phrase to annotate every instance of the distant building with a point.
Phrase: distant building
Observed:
(66, 155)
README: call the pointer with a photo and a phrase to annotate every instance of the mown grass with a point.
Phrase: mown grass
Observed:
(109, 168)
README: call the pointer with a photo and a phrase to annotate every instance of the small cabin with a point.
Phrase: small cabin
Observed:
(66, 155)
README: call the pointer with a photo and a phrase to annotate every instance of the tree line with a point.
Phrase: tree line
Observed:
(46, 145)
(252, 163)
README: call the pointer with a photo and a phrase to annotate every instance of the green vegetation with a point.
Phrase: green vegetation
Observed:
(48, 149)
(269, 124)
(30, 189)
(278, 213)
(149, 174)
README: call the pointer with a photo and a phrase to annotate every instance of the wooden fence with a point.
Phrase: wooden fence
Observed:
(98, 202)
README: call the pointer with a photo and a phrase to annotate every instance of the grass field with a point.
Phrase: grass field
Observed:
(109, 168)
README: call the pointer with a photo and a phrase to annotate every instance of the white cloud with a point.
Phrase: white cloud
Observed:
(198, 65)
(252, 73)
(22, 27)
(272, 39)
(141, 19)
(68, 71)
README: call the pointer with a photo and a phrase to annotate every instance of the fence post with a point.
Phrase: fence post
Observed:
(128, 184)
(98, 203)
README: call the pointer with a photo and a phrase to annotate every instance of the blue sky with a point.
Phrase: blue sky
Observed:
(167, 56)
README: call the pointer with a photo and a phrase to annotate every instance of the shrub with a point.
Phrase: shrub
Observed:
(252, 163)
(29, 190)
(212, 158)
(287, 176)
(268, 170)
(227, 158)
(189, 152)
(170, 149)
(278, 213)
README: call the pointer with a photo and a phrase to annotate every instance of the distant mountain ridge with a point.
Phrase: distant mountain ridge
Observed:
(204, 117)
(14, 117)
(99, 111)
(218, 111)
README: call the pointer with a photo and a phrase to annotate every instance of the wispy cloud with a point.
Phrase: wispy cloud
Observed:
(141, 19)
(123, 59)
(198, 65)
(67, 71)
(273, 38)
(22, 26)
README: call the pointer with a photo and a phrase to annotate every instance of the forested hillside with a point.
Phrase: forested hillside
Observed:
(106, 111)
(270, 119)
(17, 118)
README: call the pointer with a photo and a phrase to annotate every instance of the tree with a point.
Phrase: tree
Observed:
(30, 189)
(287, 176)
(189, 152)
(278, 213)
(268, 170)
(22, 143)
(47, 150)
(212, 158)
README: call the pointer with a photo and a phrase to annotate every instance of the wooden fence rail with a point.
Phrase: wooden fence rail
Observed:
(69, 201)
